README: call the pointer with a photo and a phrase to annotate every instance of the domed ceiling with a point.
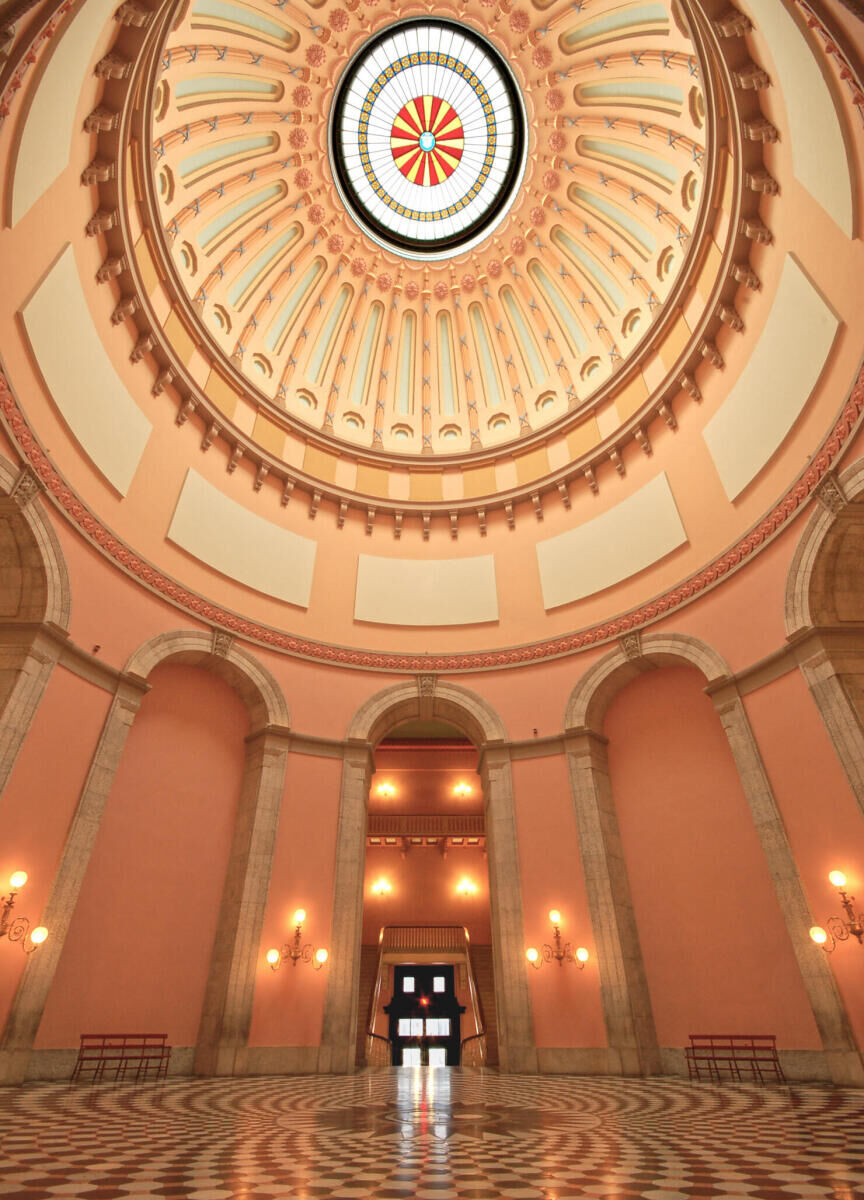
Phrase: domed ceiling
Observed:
(570, 288)
(547, 234)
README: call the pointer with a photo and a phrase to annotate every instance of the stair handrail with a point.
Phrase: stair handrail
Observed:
(480, 1038)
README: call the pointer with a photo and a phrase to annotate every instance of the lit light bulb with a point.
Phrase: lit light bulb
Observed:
(381, 887)
(818, 934)
(837, 878)
(39, 935)
(466, 886)
(554, 916)
(17, 880)
(531, 954)
(582, 954)
(386, 789)
(462, 789)
(272, 957)
(300, 916)
(321, 955)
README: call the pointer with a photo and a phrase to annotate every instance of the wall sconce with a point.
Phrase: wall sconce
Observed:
(292, 951)
(839, 929)
(466, 886)
(15, 928)
(557, 953)
(387, 790)
(462, 790)
(382, 887)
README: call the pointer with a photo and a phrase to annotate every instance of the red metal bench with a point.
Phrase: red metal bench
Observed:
(110, 1055)
(715, 1054)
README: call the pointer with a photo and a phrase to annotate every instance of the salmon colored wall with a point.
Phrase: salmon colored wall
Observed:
(424, 779)
(40, 800)
(424, 890)
(565, 1000)
(138, 950)
(822, 818)
(289, 1003)
(717, 955)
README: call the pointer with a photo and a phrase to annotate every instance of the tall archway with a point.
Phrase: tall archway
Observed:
(626, 999)
(34, 607)
(825, 614)
(427, 697)
(226, 1014)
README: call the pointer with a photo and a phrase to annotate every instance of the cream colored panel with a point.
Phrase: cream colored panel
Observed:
(240, 544)
(611, 547)
(80, 376)
(775, 384)
(43, 151)
(413, 591)
(818, 151)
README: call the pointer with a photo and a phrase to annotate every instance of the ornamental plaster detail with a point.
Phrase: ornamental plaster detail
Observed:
(738, 555)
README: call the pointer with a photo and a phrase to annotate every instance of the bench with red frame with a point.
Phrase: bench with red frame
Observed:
(716, 1054)
(111, 1055)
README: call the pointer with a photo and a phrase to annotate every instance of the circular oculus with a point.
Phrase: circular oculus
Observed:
(427, 138)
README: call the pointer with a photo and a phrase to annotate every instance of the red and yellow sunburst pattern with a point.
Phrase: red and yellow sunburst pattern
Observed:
(427, 140)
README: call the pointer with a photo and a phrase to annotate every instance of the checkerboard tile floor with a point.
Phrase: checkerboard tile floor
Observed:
(436, 1134)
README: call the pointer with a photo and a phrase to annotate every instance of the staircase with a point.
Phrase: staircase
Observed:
(368, 978)
(481, 961)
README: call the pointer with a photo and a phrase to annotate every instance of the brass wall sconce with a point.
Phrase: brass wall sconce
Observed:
(15, 928)
(293, 951)
(840, 929)
(557, 952)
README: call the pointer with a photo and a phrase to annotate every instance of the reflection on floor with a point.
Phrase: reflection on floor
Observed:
(430, 1133)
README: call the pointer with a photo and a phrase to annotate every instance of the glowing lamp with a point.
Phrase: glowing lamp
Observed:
(466, 886)
(272, 957)
(582, 954)
(840, 929)
(17, 880)
(381, 887)
(321, 956)
(554, 916)
(462, 790)
(386, 789)
(299, 916)
(818, 934)
(837, 878)
(532, 954)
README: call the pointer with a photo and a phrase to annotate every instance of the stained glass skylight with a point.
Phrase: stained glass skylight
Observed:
(427, 137)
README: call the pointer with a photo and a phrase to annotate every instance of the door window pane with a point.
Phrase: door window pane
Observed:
(416, 1026)
(407, 983)
(404, 1026)
(438, 983)
(438, 1026)
(437, 1056)
(411, 1056)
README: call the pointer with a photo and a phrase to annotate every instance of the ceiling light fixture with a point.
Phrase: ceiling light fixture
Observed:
(16, 928)
(840, 929)
(293, 950)
(558, 952)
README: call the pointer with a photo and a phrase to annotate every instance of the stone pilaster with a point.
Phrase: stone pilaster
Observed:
(831, 667)
(630, 1030)
(841, 1053)
(516, 1047)
(226, 1016)
(339, 1029)
(26, 663)
(30, 998)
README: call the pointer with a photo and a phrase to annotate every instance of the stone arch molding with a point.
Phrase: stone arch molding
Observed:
(834, 493)
(631, 1032)
(425, 697)
(830, 650)
(219, 653)
(222, 1043)
(595, 691)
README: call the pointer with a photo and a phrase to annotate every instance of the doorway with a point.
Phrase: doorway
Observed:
(424, 1016)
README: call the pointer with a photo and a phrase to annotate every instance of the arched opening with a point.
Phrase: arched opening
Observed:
(428, 699)
(426, 988)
